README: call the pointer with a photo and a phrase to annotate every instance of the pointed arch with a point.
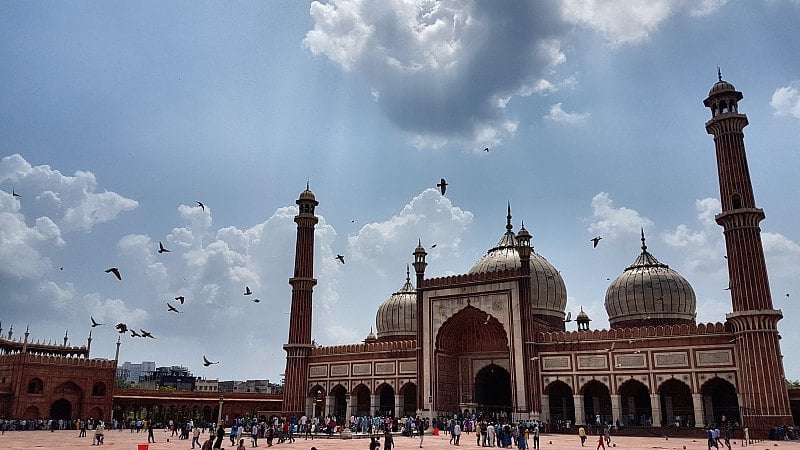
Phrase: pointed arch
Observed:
(677, 407)
(596, 401)
(35, 386)
(561, 400)
(719, 399)
(635, 407)
(362, 400)
(386, 403)
(408, 394)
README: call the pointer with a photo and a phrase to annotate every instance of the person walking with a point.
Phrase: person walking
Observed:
(582, 434)
(456, 433)
(150, 437)
(601, 442)
(388, 441)
(421, 429)
(536, 436)
(196, 436)
(220, 436)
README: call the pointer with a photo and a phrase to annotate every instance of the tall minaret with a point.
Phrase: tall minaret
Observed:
(419, 269)
(303, 282)
(762, 388)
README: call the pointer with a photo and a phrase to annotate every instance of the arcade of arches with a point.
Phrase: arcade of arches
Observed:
(361, 401)
(674, 404)
(472, 349)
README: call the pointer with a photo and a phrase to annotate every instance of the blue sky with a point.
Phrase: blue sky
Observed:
(116, 117)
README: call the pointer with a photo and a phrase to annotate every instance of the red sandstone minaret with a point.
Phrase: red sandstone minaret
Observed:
(419, 268)
(303, 282)
(764, 400)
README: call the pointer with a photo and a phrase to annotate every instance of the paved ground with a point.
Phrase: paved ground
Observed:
(124, 440)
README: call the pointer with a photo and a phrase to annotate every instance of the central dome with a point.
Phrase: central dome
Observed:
(548, 292)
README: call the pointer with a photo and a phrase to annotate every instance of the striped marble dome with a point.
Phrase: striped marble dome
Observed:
(397, 316)
(649, 293)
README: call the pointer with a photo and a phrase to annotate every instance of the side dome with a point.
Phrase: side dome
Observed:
(397, 316)
(650, 293)
(548, 291)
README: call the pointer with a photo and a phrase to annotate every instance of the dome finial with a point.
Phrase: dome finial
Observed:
(719, 74)
(509, 227)
(408, 274)
(307, 184)
(644, 246)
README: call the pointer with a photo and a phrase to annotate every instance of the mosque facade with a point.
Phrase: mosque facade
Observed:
(495, 338)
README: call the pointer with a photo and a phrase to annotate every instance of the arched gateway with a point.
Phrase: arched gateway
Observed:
(472, 360)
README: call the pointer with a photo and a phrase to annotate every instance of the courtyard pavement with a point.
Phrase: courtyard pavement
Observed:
(124, 440)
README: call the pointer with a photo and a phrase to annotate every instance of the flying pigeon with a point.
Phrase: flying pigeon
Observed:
(486, 149)
(115, 271)
(569, 317)
(180, 298)
(201, 205)
(256, 300)
(121, 327)
(207, 363)
(146, 334)
(340, 258)
(442, 186)
(595, 240)
(247, 290)
(171, 308)
(433, 246)
(14, 193)
(135, 334)
(94, 323)
(161, 248)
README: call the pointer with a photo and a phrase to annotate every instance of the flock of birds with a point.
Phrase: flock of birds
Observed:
(123, 328)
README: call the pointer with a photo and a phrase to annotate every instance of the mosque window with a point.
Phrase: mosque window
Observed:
(35, 386)
(99, 389)
(736, 200)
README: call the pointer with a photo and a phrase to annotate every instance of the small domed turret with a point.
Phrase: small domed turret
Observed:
(396, 317)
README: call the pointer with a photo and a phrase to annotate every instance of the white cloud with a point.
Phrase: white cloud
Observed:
(782, 254)
(459, 62)
(786, 101)
(338, 334)
(112, 311)
(611, 222)
(429, 216)
(24, 249)
(630, 21)
(557, 114)
(82, 207)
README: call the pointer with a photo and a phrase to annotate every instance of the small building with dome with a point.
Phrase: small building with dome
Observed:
(495, 338)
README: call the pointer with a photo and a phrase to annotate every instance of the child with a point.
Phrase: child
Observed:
(601, 442)
(241, 445)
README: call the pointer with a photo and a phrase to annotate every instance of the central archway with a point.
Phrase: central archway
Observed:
(469, 335)
(493, 389)
(386, 399)
(562, 402)
(61, 409)
(339, 394)
(635, 406)
(596, 402)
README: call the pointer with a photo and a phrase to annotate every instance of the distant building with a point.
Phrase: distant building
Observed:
(53, 381)
(132, 373)
(205, 385)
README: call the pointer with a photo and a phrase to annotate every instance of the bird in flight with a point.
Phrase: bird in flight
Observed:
(595, 240)
(171, 308)
(353, 221)
(340, 258)
(95, 323)
(787, 294)
(256, 300)
(569, 317)
(247, 290)
(135, 334)
(14, 193)
(442, 186)
(161, 248)
(180, 298)
(486, 149)
(146, 334)
(727, 288)
(115, 271)
(122, 328)
(201, 205)
(433, 246)
(207, 363)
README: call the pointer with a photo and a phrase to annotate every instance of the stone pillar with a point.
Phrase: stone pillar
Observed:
(398, 405)
(545, 413)
(310, 406)
(615, 411)
(580, 414)
(329, 405)
(350, 406)
(699, 419)
(374, 403)
(655, 406)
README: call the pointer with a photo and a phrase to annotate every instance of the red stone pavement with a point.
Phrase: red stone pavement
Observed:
(124, 440)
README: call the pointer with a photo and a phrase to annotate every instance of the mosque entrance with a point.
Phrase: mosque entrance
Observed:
(562, 402)
(61, 409)
(493, 389)
(635, 404)
(719, 399)
(465, 343)
(677, 408)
